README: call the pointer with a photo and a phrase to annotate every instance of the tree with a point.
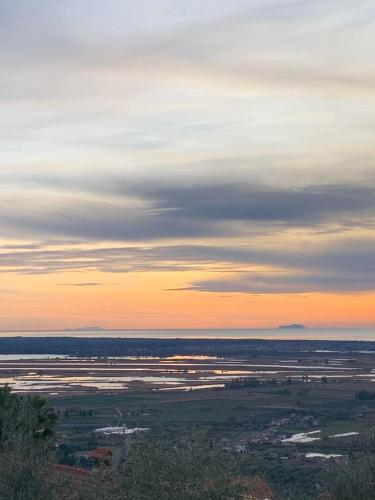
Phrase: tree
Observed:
(26, 449)
(354, 480)
(365, 395)
(24, 417)
(155, 469)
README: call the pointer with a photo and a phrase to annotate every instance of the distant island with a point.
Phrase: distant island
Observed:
(85, 329)
(293, 326)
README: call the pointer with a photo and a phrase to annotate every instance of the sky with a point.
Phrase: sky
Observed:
(187, 164)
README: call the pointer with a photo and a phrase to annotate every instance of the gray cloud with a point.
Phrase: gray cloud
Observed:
(99, 220)
(259, 203)
(281, 283)
(111, 260)
(138, 211)
(345, 265)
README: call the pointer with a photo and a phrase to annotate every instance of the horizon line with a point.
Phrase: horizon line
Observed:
(99, 329)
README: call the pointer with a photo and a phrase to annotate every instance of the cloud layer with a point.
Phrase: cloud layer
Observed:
(344, 265)
(230, 141)
(131, 212)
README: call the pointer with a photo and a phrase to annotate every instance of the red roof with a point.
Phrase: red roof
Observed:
(101, 453)
(74, 471)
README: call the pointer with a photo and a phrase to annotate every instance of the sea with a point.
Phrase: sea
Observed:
(345, 334)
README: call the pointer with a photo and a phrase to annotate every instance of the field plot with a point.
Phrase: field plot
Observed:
(257, 422)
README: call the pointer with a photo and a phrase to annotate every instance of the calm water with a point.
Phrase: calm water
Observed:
(287, 334)
(16, 357)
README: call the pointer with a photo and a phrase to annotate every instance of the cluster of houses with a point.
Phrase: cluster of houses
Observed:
(275, 434)
(272, 434)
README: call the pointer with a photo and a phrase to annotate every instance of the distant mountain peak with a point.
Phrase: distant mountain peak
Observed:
(292, 326)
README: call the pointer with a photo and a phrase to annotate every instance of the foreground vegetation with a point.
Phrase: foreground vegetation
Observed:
(149, 469)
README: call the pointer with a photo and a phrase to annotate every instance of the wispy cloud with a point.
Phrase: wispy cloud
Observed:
(87, 283)
(343, 265)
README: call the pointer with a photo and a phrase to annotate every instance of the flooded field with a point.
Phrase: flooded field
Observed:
(56, 374)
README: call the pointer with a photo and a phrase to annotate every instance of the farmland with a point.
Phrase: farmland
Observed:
(248, 402)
